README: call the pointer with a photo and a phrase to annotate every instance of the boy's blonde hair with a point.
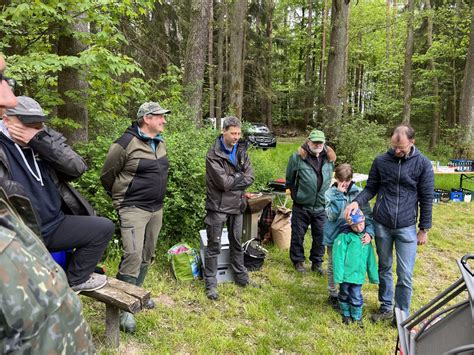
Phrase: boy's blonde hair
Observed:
(343, 172)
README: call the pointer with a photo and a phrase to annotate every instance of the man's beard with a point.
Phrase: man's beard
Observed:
(316, 151)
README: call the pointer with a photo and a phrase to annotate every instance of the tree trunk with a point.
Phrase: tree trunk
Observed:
(309, 97)
(210, 60)
(72, 85)
(268, 64)
(432, 67)
(466, 107)
(238, 10)
(195, 58)
(336, 76)
(220, 62)
(407, 82)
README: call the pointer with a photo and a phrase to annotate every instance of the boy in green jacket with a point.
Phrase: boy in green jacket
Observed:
(353, 258)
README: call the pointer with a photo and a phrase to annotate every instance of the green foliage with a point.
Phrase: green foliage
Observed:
(186, 192)
(358, 141)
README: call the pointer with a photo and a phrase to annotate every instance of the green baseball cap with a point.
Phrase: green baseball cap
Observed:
(317, 136)
(149, 108)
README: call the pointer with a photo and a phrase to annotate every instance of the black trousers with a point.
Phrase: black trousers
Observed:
(214, 225)
(300, 220)
(89, 236)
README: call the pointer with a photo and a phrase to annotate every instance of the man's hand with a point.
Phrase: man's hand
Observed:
(366, 238)
(20, 133)
(351, 207)
(422, 237)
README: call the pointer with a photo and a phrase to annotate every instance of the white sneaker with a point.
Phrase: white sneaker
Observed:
(94, 282)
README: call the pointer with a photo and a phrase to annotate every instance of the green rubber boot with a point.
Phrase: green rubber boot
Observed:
(149, 304)
(127, 320)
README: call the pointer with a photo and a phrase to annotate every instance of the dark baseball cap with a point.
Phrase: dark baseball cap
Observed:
(27, 110)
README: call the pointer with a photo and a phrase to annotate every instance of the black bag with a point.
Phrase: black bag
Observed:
(254, 254)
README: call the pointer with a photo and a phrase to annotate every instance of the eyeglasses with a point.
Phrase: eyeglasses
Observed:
(401, 148)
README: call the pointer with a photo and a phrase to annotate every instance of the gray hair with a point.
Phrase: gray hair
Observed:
(230, 121)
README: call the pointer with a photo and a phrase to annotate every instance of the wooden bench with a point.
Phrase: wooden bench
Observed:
(118, 295)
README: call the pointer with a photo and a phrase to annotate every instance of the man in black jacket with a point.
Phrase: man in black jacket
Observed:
(228, 174)
(35, 162)
(403, 180)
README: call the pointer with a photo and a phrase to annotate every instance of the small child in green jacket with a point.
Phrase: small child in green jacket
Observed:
(353, 258)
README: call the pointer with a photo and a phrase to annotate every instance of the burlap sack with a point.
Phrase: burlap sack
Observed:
(281, 228)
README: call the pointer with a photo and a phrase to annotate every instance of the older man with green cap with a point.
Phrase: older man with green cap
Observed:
(135, 174)
(308, 176)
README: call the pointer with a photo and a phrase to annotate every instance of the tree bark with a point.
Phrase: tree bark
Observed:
(466, 107)
(210, 60)
(72, 84)
(195, 58)
(407, 82)
(309, 90)
(220, 62)
(238, 10)
(270, 4)
(432, 67)
(336, 76)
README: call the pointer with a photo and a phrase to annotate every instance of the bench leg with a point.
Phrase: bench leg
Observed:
(112, 333)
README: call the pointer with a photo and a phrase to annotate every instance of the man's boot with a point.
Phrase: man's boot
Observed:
(127, 320)
(140, 280)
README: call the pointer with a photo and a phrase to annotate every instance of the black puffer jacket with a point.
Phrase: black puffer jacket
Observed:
(401, 185)
(225, 182)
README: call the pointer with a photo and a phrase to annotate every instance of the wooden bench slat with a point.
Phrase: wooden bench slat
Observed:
(132, 290)
(110, 295)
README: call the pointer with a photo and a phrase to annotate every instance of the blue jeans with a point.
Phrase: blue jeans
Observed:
(351, 294)
(405, 241)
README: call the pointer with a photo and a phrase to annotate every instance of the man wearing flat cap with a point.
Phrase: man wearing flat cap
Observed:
(36, 163)
(308, 176)
(135, 174)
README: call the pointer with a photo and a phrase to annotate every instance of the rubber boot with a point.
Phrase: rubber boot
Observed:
(345, 311)
(356, 315)
(140, 280)
(127, 320)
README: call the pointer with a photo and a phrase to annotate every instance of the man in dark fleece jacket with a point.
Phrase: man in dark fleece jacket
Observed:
(403, 180)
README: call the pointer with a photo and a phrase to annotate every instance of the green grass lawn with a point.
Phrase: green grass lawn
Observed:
(289, 314)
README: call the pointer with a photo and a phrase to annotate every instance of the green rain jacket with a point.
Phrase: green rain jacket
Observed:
(302, 181)
(352, 260)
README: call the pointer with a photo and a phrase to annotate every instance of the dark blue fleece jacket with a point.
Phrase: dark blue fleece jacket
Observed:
(402, 185)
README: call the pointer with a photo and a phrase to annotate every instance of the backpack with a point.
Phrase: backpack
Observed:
(254, 254)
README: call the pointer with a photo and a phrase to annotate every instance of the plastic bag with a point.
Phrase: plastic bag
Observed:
(185, 262)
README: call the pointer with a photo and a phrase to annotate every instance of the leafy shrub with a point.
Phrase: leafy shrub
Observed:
(358, 142)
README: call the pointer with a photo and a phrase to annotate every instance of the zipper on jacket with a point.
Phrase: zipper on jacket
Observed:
(398, 191)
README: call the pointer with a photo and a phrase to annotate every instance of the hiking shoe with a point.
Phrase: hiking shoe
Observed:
(346, 320)
(334, 302)
(149, 304)
(318, 268)
(249, 283)
(299, 266)
(212, 294)
(382, 315)
(94, 282)
(127, 322)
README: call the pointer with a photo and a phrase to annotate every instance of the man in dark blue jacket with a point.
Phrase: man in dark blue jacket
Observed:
(403, 180)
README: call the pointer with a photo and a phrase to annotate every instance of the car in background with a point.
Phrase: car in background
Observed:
(260, 136)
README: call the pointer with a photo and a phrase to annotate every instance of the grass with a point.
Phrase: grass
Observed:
(289, 314)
